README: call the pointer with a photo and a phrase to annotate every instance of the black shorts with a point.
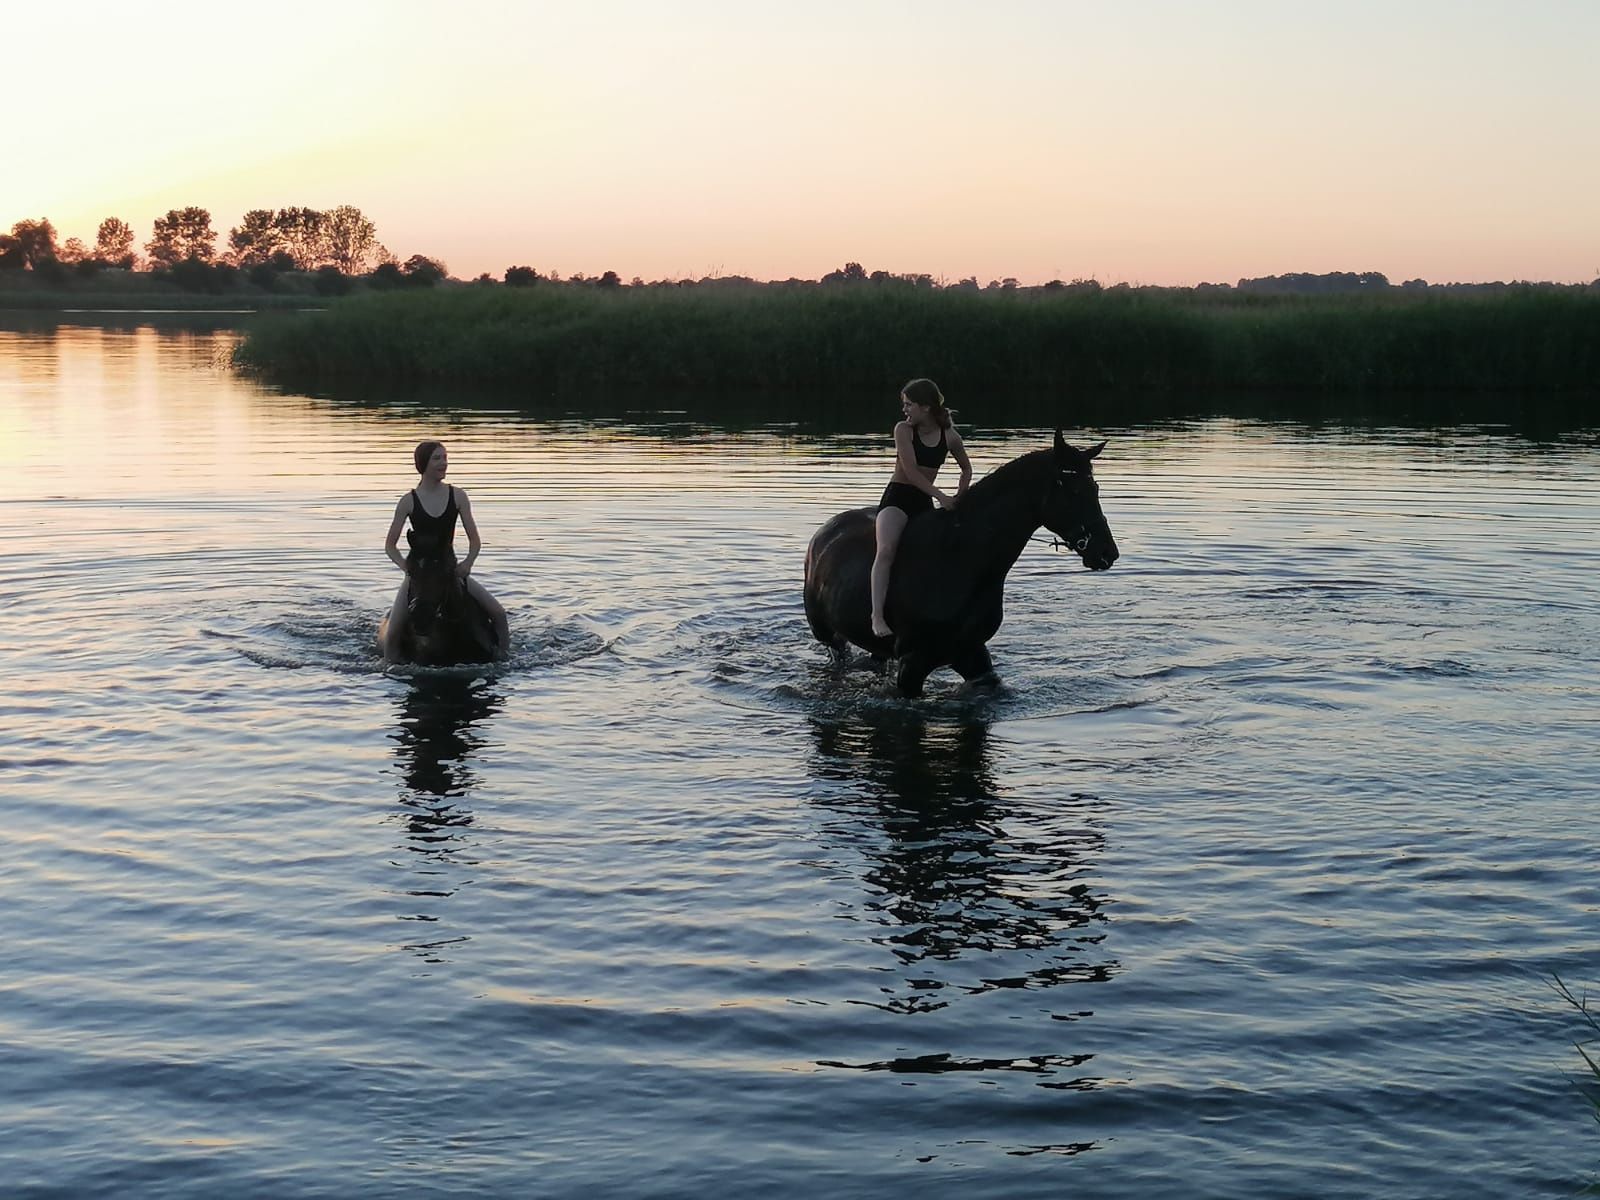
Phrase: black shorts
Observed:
(907, 499)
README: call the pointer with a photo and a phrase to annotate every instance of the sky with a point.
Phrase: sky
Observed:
(1148, 141)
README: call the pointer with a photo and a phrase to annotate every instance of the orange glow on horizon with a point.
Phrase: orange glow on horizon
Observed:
(1168, 144)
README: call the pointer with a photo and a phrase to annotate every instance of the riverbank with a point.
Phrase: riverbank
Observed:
(815, 339)
(128, 291)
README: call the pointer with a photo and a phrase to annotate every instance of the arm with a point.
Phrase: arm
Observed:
(474, 542)
(958, 451)
(907, 467)
(391, 543)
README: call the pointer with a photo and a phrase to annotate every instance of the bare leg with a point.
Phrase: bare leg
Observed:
(395, 628)
(497, 614)
(891, 523)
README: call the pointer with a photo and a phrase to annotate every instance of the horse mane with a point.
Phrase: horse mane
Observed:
(1006, 479)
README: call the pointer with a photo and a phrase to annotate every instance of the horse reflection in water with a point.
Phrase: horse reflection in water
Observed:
(976, 897)
(439, 732)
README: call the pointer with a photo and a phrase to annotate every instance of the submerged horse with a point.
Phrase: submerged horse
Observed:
(445, 626)
(946, 593)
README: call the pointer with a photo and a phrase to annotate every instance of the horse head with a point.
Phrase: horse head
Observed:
(436, 590)
(1072, 505)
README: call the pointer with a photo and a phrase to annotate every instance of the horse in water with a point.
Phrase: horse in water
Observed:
(445, 626)
(946, 592)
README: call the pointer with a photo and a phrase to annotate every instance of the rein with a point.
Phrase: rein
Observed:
(1055, 543)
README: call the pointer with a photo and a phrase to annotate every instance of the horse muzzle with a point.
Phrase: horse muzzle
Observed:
(1097, 554)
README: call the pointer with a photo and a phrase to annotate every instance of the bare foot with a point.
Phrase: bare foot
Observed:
(880, 628)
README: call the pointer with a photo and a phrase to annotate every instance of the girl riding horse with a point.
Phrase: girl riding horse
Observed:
(921, 441)
(432, 508)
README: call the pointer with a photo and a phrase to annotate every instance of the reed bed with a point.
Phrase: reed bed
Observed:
(816, 339)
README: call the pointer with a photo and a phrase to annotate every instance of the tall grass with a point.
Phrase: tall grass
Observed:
(817, 339)
(1591, 1088)
(1588, 1084)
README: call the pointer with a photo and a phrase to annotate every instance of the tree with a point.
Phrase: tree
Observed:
(10, 253)
(350, 239)
(609, 280)
(37, 241)
(113, 244)
(302, 233)
(184, 234)
(421, 271)
(330, 281)
(255, 239)
(851, 272)
(521, 277)
(73, 252)
(194, 274)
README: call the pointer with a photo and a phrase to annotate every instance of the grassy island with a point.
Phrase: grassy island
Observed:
(818, 338)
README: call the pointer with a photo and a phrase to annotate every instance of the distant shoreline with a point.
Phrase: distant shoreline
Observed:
(46, 300)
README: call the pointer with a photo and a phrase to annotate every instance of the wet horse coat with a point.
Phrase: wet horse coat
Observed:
(946, 593)
(445, 626)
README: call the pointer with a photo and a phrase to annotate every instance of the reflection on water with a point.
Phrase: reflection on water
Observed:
(439, 730)
(972, 893)
(1275, 821)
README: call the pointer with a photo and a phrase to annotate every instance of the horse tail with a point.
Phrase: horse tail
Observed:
(820, 629)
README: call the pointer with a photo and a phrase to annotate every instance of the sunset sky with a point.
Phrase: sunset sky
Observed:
(1154, 141)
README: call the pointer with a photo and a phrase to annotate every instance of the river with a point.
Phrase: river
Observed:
(1249, 882)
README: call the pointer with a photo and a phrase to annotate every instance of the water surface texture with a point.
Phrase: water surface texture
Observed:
(1248, 883)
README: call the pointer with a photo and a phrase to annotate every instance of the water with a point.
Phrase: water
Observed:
(1248, 883)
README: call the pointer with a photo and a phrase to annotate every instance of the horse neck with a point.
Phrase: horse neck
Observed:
(999, 515)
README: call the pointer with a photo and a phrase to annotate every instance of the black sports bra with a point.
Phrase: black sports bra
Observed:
(930, 456)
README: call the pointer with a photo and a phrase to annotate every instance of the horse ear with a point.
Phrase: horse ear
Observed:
(1061, 445)
(1094, 451)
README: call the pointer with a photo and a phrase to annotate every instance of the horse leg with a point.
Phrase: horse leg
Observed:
(914, 670)
(976, 667)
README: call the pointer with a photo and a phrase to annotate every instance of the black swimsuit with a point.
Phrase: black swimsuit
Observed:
(430, 533)
(913, 500)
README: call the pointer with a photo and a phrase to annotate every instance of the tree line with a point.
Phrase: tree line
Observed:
(337, 245)
(340, 246)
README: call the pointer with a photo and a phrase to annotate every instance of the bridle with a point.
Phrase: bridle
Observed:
(1076, 545)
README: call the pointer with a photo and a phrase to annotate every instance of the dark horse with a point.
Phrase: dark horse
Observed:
(445, 626)
(945, 595)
